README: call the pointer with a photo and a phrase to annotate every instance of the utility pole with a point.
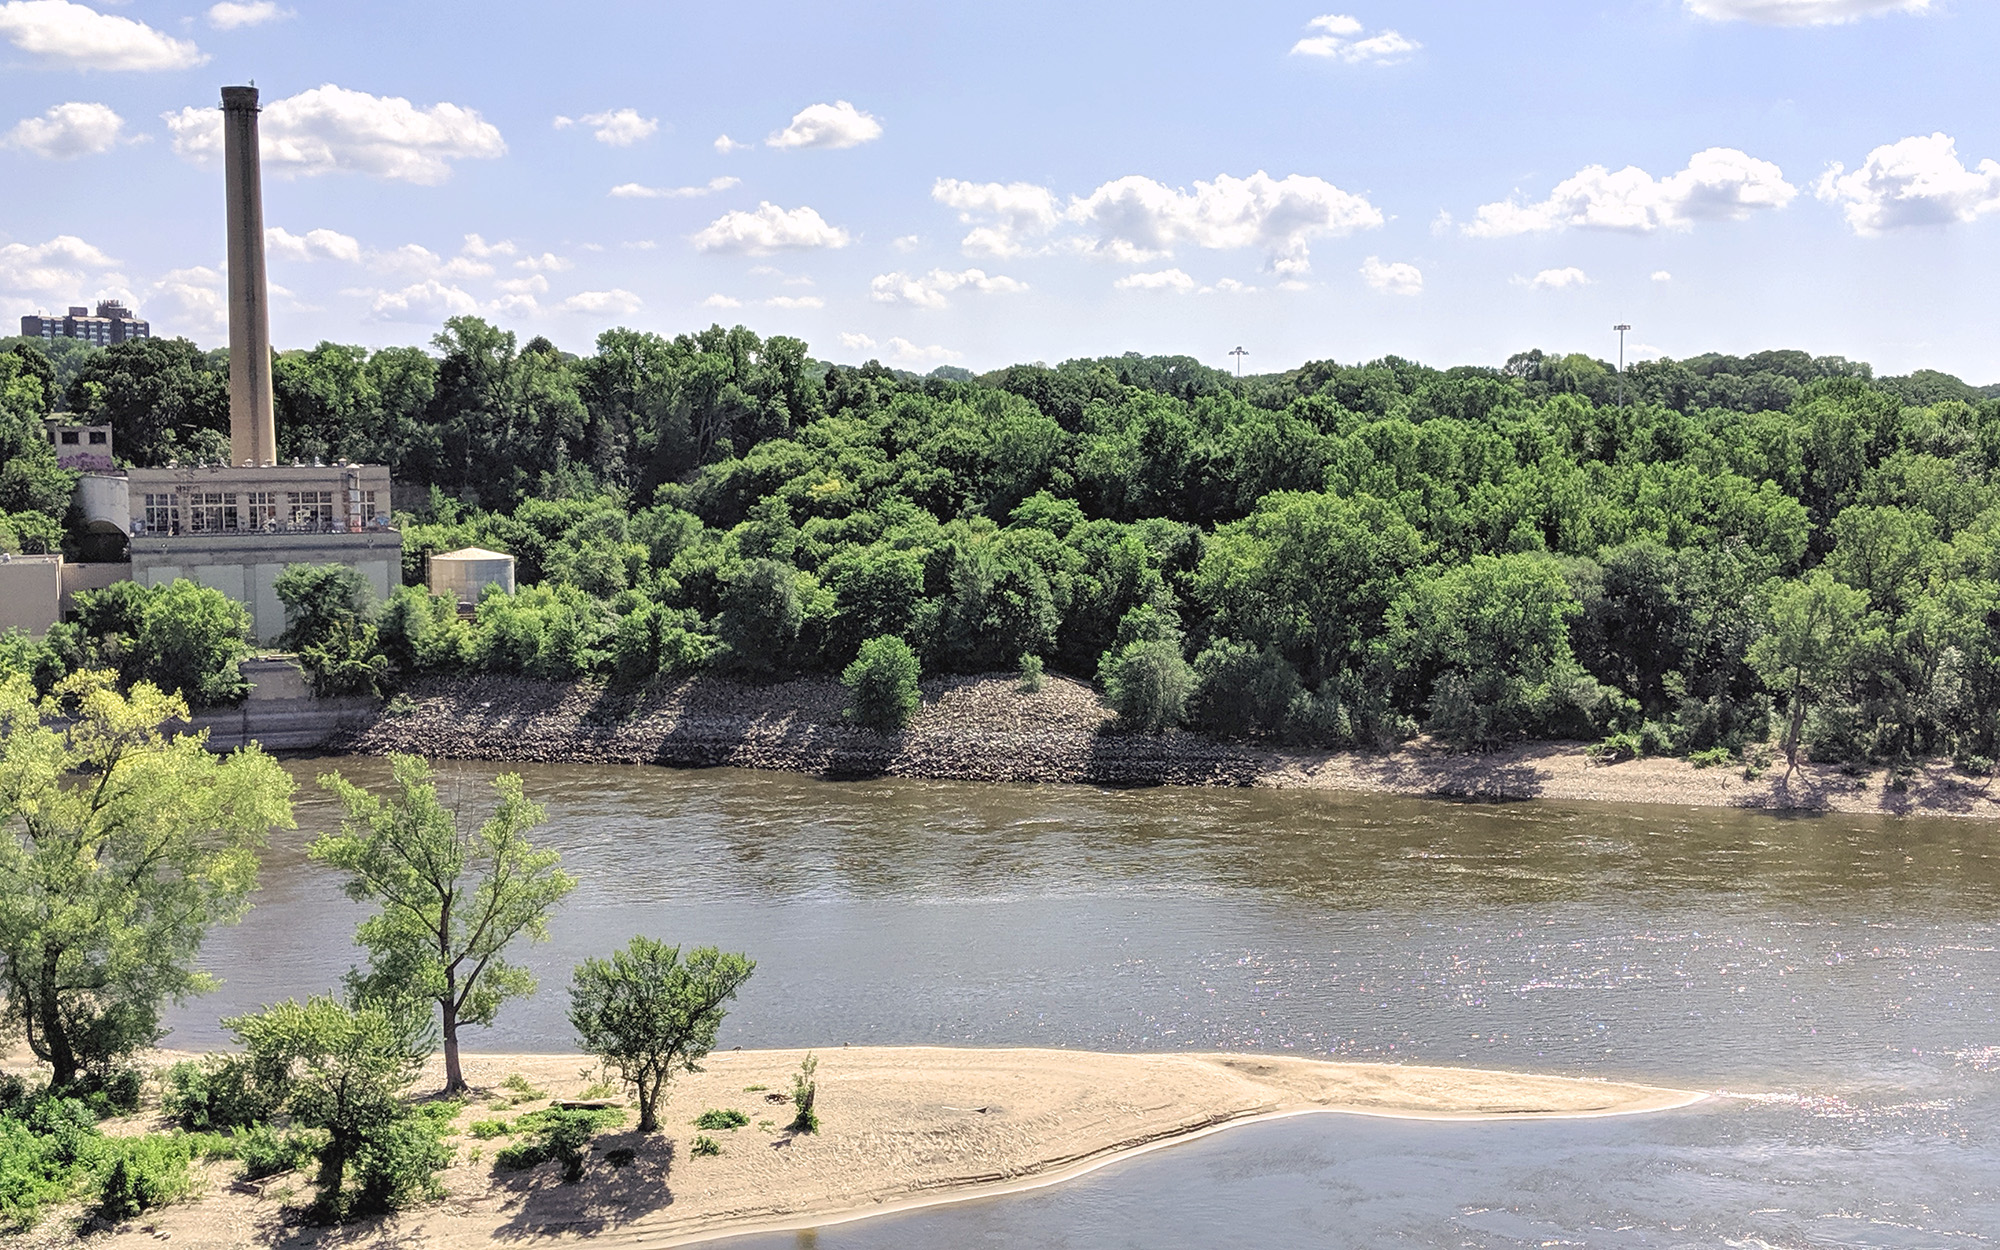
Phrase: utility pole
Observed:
(1621, 362)
(1239, 353)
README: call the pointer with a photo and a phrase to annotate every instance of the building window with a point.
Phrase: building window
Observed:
(369, 510)
(71, 438)
(312, 508)
(162, 517)
(97, 438)
(260, 510)
(211, 512)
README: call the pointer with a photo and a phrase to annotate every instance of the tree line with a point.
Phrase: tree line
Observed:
(1776, 544)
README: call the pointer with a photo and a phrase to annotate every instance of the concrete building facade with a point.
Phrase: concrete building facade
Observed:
(113, 323)
(83, 447)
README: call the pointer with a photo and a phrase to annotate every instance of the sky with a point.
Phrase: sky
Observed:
(980, 185)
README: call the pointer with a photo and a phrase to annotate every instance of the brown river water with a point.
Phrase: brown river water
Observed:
(1834, 978)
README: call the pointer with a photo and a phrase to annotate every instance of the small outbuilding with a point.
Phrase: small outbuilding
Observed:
(467, 573)
(30, 592)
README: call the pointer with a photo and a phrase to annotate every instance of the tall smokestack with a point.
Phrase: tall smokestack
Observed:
(253, 426)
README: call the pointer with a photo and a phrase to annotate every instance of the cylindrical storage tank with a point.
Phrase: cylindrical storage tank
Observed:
(467, 573)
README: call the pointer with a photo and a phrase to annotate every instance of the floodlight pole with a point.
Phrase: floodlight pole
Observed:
(1621, 362)
(1239, 353)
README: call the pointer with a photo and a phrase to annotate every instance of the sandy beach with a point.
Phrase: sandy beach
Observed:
(902, 1127)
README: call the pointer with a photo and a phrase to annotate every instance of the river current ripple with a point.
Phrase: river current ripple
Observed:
(1835, 979)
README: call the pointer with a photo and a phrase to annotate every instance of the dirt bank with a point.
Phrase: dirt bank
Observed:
(902, 1127)
(985, 729)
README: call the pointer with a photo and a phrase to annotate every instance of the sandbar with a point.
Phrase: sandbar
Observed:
(902, 1127)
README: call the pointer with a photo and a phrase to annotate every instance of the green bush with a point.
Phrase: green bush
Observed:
(397, 1165)
(882, 685)
(721, 1118)
(33, 1175)
(704, 1147)
(486, 1130)
(1147, 684)
(1031, 678)
(1714, 757)
(266, 1151)
(212, 1093)
(556, 1134)
(143, 1173)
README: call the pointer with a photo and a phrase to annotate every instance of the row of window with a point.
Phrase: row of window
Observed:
(221, 512)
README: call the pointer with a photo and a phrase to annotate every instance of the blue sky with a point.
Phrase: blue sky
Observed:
(979, 185)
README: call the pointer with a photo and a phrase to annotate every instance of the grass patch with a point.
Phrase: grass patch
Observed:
(721, 1118)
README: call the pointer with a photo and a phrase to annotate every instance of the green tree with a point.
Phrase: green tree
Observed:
(122, 846)
(163, 398)
(761, 616)
(650, 1015)
(327, 611)
(193, 639)
(1147, 683)
(882, 685)
(1814, 626)
(342, 1070)
(452, 900)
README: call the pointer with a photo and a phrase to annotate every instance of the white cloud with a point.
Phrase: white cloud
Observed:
(857, 342)
(418, 260)
(533, 284)
(907, 243)
(1801, 12)
(725, 145)
(1229, 286)
(321, 244)
(836, 125)
(637, 191)
(475, 245)
(618, 302)
(547, 260)
(1007, 213)
(906, 352)
(67, 131)
(82, 38)
(721, 301)
(1720, 184)
(1395, 278)
(1337, 41)
(229, 15)
(330, 128)
(1137, 218)
(928, 290)
(620, 128)
(1661, 275)
(1556, 279)
(769, 229)
(430, 300)
(1918, 181)
(56, 271)
(795, 301)
(1164, 280)
(198, 292)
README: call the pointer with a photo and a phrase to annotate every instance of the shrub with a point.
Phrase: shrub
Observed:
(1714, 757)
(1031, 675)
(212, 1093)
(266, 1151)
(557, 1134)
(805, 1088)
(33, 1176)
(723, 1118)
(883, 685)
(486, 1130)
(1241, 690)
(705, 1147)
(520, 1091)
(1147, 684)
(398, 1165)
(143, 1173)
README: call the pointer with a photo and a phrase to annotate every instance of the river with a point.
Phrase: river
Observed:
(1836, 979)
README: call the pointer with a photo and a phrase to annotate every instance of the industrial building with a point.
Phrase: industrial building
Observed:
(114, 323)
(233, 527)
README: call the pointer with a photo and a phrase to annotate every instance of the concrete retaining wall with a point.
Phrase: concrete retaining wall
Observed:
(281, 714)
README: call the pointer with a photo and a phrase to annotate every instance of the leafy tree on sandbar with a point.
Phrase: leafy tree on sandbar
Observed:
(650, 1015)
(452, 899)
(120, 846)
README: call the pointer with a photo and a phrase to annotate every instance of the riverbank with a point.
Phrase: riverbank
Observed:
(902, 1127)
(986, 729)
